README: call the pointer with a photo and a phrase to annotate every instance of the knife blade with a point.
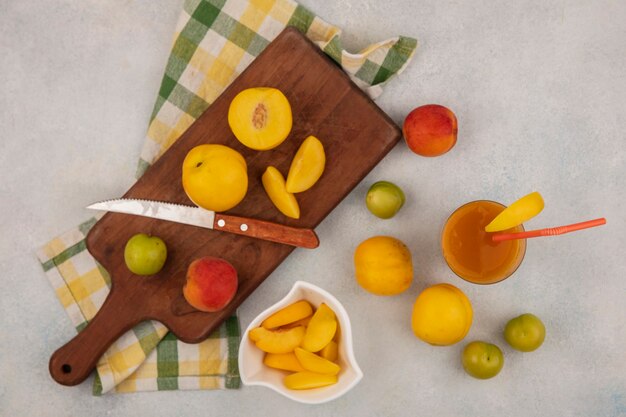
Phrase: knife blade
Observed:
(198, 216)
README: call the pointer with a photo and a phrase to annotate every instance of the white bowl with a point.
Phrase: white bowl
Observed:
(254, 372)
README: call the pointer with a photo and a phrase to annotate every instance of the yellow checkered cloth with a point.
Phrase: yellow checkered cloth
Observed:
(215, 40)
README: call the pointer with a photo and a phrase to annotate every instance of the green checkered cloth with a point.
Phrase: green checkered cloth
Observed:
(215, 40)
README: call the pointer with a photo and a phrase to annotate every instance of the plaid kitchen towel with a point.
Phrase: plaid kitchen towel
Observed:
(215, 40)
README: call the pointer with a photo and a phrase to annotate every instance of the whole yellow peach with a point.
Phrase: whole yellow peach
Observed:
(383, 265)
(442, 315)
(215, 177)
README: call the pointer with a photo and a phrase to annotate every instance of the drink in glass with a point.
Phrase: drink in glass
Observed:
(469, 250)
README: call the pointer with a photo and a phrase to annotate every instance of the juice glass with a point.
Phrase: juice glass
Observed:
(469, 250)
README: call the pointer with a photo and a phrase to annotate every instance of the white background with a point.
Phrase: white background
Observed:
(539, 89)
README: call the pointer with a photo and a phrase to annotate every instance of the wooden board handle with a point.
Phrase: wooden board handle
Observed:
(304, 238)
(72, 363)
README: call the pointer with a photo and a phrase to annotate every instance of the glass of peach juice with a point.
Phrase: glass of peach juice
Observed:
(469, 250)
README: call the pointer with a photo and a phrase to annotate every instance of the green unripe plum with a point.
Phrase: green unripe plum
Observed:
(525, 333)
(384, 199)
(144, 254)
(482, 360)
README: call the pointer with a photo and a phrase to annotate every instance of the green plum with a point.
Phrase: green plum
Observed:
(525, 333)
(144, 254)
(384, 199)
(482, 360)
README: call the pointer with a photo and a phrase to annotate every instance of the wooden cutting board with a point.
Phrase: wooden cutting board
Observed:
(356, 135)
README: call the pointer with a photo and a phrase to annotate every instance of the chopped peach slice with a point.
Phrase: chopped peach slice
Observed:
(330, 351)
(321, 329)
(256, 334)
(307, 166)
(302, 322)
(308, 380)
(337, 336)
(277, 341)
(312, 362)
(293, 312)
(517, 213)
(284, 361)
(285, 202)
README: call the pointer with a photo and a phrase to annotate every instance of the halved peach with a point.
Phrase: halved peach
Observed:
(260, 118)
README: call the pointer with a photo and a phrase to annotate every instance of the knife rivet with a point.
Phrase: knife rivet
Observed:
(243, 227)
(221, 222)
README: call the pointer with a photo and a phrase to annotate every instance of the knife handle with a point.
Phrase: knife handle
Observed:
(294, 236)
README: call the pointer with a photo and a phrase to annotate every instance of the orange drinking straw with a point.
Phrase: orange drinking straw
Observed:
(552, 231)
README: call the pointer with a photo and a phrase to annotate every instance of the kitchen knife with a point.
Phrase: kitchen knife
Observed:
(197, 216)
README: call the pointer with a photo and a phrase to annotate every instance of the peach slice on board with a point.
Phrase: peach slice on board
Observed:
(307, 166)
(274, 184)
